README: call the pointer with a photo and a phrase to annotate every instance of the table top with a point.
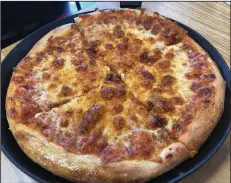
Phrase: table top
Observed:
(212, 20)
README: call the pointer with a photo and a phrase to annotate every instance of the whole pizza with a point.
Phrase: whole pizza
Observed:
(119, 96)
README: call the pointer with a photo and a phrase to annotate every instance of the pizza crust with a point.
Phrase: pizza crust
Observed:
(200, 128)
(88, 168)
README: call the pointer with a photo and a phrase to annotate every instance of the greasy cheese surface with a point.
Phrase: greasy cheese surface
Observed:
(125, 89)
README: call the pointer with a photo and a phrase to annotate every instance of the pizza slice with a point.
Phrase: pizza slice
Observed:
(105, 134)
(179, 86)
(58, 68)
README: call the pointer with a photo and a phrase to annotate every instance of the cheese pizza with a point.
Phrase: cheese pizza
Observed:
(118, 96)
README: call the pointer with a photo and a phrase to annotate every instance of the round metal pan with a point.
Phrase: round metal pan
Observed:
(16, 155)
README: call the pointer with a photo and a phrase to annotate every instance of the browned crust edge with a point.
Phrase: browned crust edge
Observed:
(88, 168)
(200, 128)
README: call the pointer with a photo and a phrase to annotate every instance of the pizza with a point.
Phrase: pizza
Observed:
(118, 96)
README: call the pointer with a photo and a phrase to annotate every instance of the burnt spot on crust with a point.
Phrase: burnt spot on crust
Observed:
(160, 105)
(208, 77)
(66, 91)
(168, 80)
(58, 62)
(157, 121)
(205, 91)
(168, 156)
(206, 103)
(112, 77)
(157, 159)
(118, 108)
(118, 32)
(91, 117)
(118, 122)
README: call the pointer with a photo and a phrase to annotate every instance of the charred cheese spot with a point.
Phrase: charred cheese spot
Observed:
(172, 35)
(69, 112)
(118, 32)
(96, 43)
(177, 100)
(46, 75)
(195, 86)
(66, 91)
(118, 108)
(144, 58)
(118, 122)
(108, 93)
(168, 80)
(91, 117)
(91, 52)
(64, 123)
(164, 64)
(169, 55)
(82, 67)
(150, 59)
(58, 62)
(77, 61)
(111, 77)
(146, 74)
(147, 24)
(160, 104)
(122, 46)
(109, 46)
(157, 121)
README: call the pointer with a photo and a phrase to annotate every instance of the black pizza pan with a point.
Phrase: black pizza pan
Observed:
(11, 149)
